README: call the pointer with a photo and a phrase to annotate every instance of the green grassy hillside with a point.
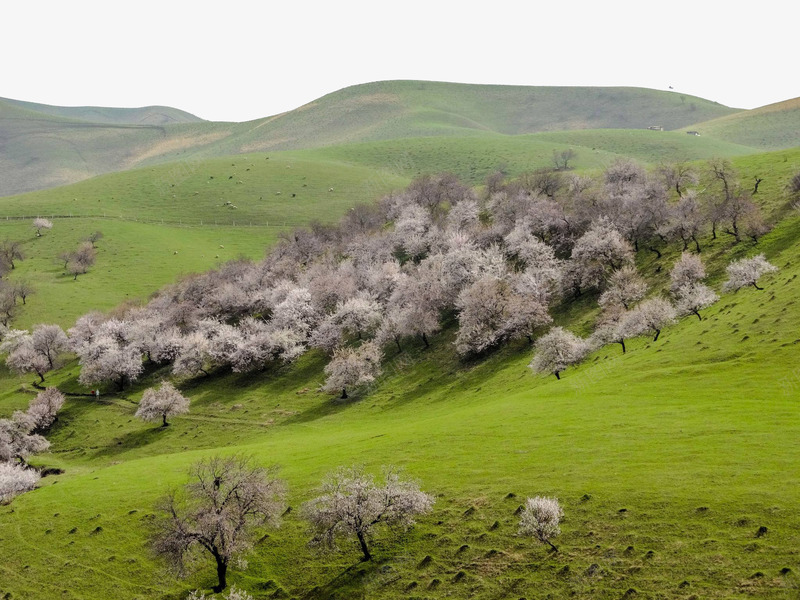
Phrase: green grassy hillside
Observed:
(152, 115)
(43, 146)
(149, 214)
(161, 222)
(473, 158)
(394, 109)
(667, 460)
(40, 150)
(769, 127)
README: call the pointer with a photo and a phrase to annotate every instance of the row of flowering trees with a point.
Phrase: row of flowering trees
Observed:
(395, 272)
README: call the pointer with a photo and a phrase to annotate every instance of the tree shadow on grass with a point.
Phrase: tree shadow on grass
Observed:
(323, 409)
(131, 441)
(347, 584)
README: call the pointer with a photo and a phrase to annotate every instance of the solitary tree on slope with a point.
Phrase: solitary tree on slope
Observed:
(540, 519)
(217, 513)
(351, 504)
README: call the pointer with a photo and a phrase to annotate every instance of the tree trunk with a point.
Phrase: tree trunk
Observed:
(425, 339)
(696, 244)
(557, 375)
(121, 383)
(164, 420)
(364, 548)
(344, 394)
(697, 312)
(755, 285)
(552, 546)
(399, 349)
(658, 333)
(622, 343)
(41, 377)
(222, 572)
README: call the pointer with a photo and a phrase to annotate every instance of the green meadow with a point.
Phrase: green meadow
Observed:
(59, 145)
(667, 459)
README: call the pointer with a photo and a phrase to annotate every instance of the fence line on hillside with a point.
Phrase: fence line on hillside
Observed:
(180, 222)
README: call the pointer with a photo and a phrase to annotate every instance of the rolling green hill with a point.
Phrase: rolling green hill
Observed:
(473, 158)
(667, 459)
(243, 202)
(169, 220)
(769, 127)
(43, 146)
(399, 109)
(146, 115)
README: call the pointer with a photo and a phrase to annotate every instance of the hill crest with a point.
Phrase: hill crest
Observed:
(45, 146)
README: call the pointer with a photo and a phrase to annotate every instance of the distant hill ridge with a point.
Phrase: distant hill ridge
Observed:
(146, 115)
(45, 146)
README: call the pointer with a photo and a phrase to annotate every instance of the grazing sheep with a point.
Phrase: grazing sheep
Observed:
(174, 252)
(330, 189)
(221, 246)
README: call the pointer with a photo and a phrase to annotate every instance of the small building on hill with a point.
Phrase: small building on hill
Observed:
(656, 128)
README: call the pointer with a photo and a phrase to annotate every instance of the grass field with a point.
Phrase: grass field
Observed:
(667, 459)
(769, 128)
(162, 222)
(49, 146)
(473, 158)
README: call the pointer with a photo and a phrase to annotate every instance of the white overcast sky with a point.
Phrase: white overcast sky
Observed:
(241, 60)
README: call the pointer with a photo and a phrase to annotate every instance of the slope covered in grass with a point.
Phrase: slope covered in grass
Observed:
(473, 158)
(393, 109)
(47, 149)
(769, 127)
(153, 115)
(667, 460)
(171, 220)
(44, 146)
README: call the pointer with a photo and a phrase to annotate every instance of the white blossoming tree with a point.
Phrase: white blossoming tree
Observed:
(217, 513)
(540, 519)
(161, 403)
(352, 367)
(556, 350)
(351, 504)
(15, 480)
(747, 272)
